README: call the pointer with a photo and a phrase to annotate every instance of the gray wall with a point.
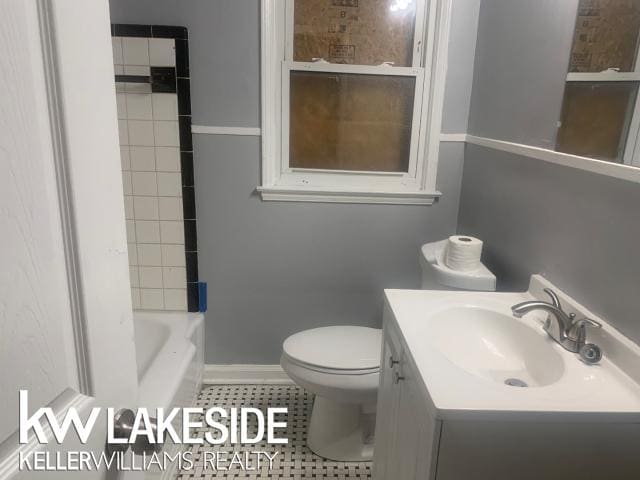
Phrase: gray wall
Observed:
(277, 268)
(522, 58)
(579, 229)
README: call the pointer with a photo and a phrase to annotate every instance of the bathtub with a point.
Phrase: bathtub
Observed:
(170, 358)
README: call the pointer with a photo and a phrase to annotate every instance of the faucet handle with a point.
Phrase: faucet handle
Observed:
(578, 330)
(586, 322)
(555, 301)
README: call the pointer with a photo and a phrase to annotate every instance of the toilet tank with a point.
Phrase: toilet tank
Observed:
(437, 276)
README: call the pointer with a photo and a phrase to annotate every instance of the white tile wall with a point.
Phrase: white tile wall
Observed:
(162, 52)
(131, 231)
(151, 299)
(152, 181)
(145, 208)
(121, 102)
(133, 254)
(175, 299)
(126, 183)
(169, 184)
(174, 277)
(128, 207)
(172, 232)
(147, 231)
(166, 133)
(144, 183)
(141, 132)
(135, 51)
(170, 208)
(150, 277)
(123, 132)
(149, 255)
(165, 106)
(143, 159)
(173, 255)
(135, 298)
(116, 43)
(167, 159)
(124, 158)
(139, 106)
(133, 276)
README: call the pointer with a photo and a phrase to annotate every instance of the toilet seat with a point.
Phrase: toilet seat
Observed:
(328, 371)
(338, 350)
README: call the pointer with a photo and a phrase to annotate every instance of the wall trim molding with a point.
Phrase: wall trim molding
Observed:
(256, 132)
(616, 170)
(249, 374)
(453, 137)
(242, 131)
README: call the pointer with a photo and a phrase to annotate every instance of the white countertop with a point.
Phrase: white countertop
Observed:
(576, 391)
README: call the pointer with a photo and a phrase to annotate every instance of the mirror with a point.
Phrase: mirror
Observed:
(561, 75)
(600, 113)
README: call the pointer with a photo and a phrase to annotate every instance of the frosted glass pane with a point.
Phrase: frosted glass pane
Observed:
(350, 122)
(595, 119)
(606, 35)
(361, 32)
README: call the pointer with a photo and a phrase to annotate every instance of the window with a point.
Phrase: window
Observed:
(601, 109)
(352, 99)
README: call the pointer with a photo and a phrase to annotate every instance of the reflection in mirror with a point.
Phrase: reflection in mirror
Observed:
(601, 108)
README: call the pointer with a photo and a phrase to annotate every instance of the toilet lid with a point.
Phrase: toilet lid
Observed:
(339, 348)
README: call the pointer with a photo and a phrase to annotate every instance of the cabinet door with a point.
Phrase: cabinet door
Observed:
(410, 411)
(416, 428)
(387, 408)
(427, 445)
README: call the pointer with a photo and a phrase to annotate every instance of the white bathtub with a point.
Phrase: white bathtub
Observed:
(170, 357)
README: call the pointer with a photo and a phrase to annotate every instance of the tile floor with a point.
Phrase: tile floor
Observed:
(294, 460)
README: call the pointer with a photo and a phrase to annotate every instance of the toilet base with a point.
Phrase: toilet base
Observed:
(341, 431)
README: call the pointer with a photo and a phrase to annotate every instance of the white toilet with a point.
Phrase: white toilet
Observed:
(341, 365)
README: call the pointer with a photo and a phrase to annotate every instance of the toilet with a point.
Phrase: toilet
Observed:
(340, 365)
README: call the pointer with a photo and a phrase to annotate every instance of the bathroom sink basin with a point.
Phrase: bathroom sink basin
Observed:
(476, 359)
(493, 346)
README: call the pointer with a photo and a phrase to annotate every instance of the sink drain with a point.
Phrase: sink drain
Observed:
(515, 382)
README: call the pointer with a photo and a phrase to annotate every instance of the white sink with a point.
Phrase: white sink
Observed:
(493, 346)
(476, 358)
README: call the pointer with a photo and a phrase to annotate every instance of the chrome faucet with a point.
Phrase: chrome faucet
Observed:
(563, 327)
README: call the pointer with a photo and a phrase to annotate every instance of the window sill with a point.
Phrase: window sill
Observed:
(293, 194)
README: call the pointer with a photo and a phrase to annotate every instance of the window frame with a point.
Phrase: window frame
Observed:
(631, 153)
(418, 186)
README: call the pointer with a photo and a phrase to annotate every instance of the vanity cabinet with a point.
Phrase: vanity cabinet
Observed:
(413, 437)
(406, 433)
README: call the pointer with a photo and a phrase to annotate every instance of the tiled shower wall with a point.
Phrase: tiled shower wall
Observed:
(155, 146)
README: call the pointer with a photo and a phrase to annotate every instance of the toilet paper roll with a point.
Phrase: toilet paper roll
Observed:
(463, 253)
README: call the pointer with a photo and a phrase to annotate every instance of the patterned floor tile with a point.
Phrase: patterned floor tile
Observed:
(293, 460)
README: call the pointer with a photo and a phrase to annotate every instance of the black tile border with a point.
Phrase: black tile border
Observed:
(177, 81)
(186, 167)
(184, 96)
(184, 124)
(163, 80)
(182, 58)
(169, 31)
(130, 30)
(189, 203)
(150, 31)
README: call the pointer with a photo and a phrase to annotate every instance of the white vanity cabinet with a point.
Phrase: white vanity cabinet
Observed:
(439, 418)
(406, 432)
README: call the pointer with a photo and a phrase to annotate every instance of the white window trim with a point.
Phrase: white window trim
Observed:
(416, 188)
